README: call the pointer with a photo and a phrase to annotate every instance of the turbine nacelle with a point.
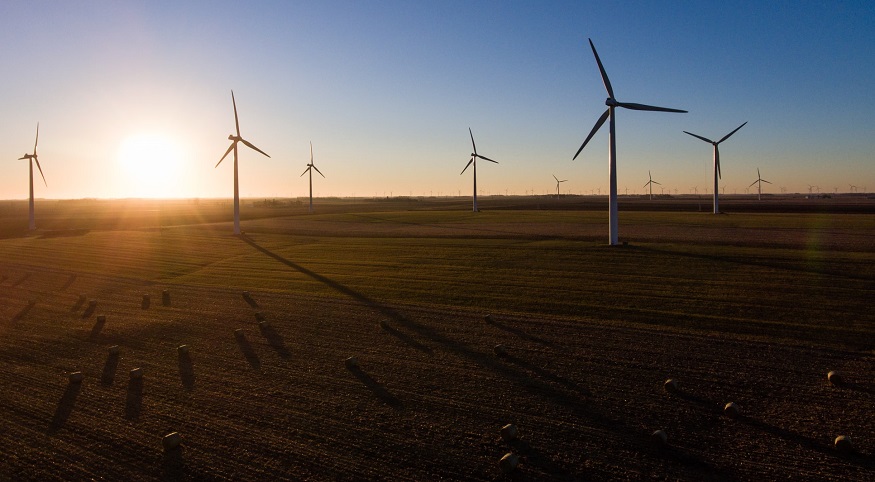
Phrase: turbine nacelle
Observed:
(611, 102)
(232, 137)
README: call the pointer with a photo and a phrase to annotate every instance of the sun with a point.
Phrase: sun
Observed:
(153, 165)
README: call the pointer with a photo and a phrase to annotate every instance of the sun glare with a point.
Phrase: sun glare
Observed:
(153, 164)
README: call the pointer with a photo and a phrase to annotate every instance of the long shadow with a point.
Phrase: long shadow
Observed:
(536, 458)
(275, 340)
(377, 389)
(24, 311)
(858, 387)
(173, 465)
(248, 352)
(519, 333)
(545, 375)
(21, 280)
(248, 298)
(186, 371)
(68, 283)
(65, 407)
(134, 400)
(78, 304)
(809, 442)
(109, 369)
(477, 229)
(92, 306)
(407, 339)
(147, 301)
(97, 328)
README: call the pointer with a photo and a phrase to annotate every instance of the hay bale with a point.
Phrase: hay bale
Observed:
(171, 441)
(182, 349)
(659, 438)
(834, 378)
(113, 350)
(843, 443)
(264, 324)
(384, 324)
(101, 318)
(259, 316)
(509, 462)
(671, 385)
(487, 318)
(732, 410)
(76, 377)
(239, 333)
(92, 304)
(499, 350)
(351, 362)
(165, 297)
(509, 432)
(136, 374)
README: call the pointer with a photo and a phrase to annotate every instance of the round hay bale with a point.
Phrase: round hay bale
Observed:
(509, 462)
(659, 438)
(246, 294)
(843, 443)
(488, 318)
(101, 318)
(182, 349)
(76, 377)
(92, 303)
(165, 297)
(264, 324)
(259, 316)
(384, 324)
(171, 441)
(671, 385)
(499, 350)
(732, 410)
(834, 378)
(239, 333)
(509, 432)
(113, 350)
(136, 374)
(351, 362)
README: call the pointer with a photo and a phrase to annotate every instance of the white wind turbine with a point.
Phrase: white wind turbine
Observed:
(759, 181)
(717, 173)
(473, 161)
(650, 183)
(310, 168)
(557, 184)
(612, 103)
(31, 158)
(233, 147)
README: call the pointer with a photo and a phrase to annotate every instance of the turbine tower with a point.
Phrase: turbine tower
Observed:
(717, 174)
(310, 168)
(759, 181)
(233, 147)
(473, 161)
(31, 158)
(612, 103)
(650, 183)
(557, 185)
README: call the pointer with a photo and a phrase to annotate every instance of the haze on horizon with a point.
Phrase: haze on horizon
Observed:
(133, 98)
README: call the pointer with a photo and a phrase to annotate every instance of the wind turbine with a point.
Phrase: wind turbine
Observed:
(612, 103)
(650, 183)
(557, 184)
(717, 173)
(759, 181)
(233, 147)
(31, 158)
(310, 168)
(473, 161)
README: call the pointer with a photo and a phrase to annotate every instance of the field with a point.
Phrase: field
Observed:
(753, 306)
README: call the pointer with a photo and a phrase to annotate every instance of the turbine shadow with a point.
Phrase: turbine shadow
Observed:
(186, 371)
(96, 329)
(536, 458)
(89, 311)
(407, 339)
(248, 298)
(65, 407)
(248, 352)
(808, 442)
(173, 465)
(78, 304)
(544, 375)
(275, 340)
(69, 282)
(21, 280)
(109, 369)
(519, 333)
(24, 311)
(378, 390)
(134, 400)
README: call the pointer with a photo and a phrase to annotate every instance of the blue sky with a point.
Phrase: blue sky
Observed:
(386, 92)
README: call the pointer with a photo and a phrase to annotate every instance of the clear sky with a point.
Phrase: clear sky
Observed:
(133, 98)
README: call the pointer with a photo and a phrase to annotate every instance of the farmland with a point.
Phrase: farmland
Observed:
(754, 306)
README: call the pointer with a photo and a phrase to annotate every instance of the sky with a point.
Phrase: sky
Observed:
(133, 98)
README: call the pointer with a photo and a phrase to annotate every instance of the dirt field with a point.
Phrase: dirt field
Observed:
(747, 307)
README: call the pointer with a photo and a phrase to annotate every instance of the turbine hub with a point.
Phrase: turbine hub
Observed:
(232, 137)
(611, 102)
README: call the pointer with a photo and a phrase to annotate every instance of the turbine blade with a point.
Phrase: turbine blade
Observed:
(40, 171)
(646, 183)
(630, 105)
(305, 171)
(602, 71)
(556, 178)
(751, 184)
(564, 180)
(709, 141)
(249, 144)
(599, 123)
(733, 132)
(35, 142)
(767, 182)
(311, 152)
(486, 159)
(717, 158)
(758, 174)
(317, 170)
(472, 140)
(466, 166)
(236, 121)
(230, 148)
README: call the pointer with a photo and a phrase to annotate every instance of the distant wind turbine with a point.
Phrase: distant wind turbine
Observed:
(557, 184)
(233, 147)
(31, 158)
(473, 161)
(612, 103)
(759, 181)
(717, 173)
(650, 183)
(309, 169)
(853, 187)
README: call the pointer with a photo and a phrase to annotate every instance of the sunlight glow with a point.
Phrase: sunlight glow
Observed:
(154, 165)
